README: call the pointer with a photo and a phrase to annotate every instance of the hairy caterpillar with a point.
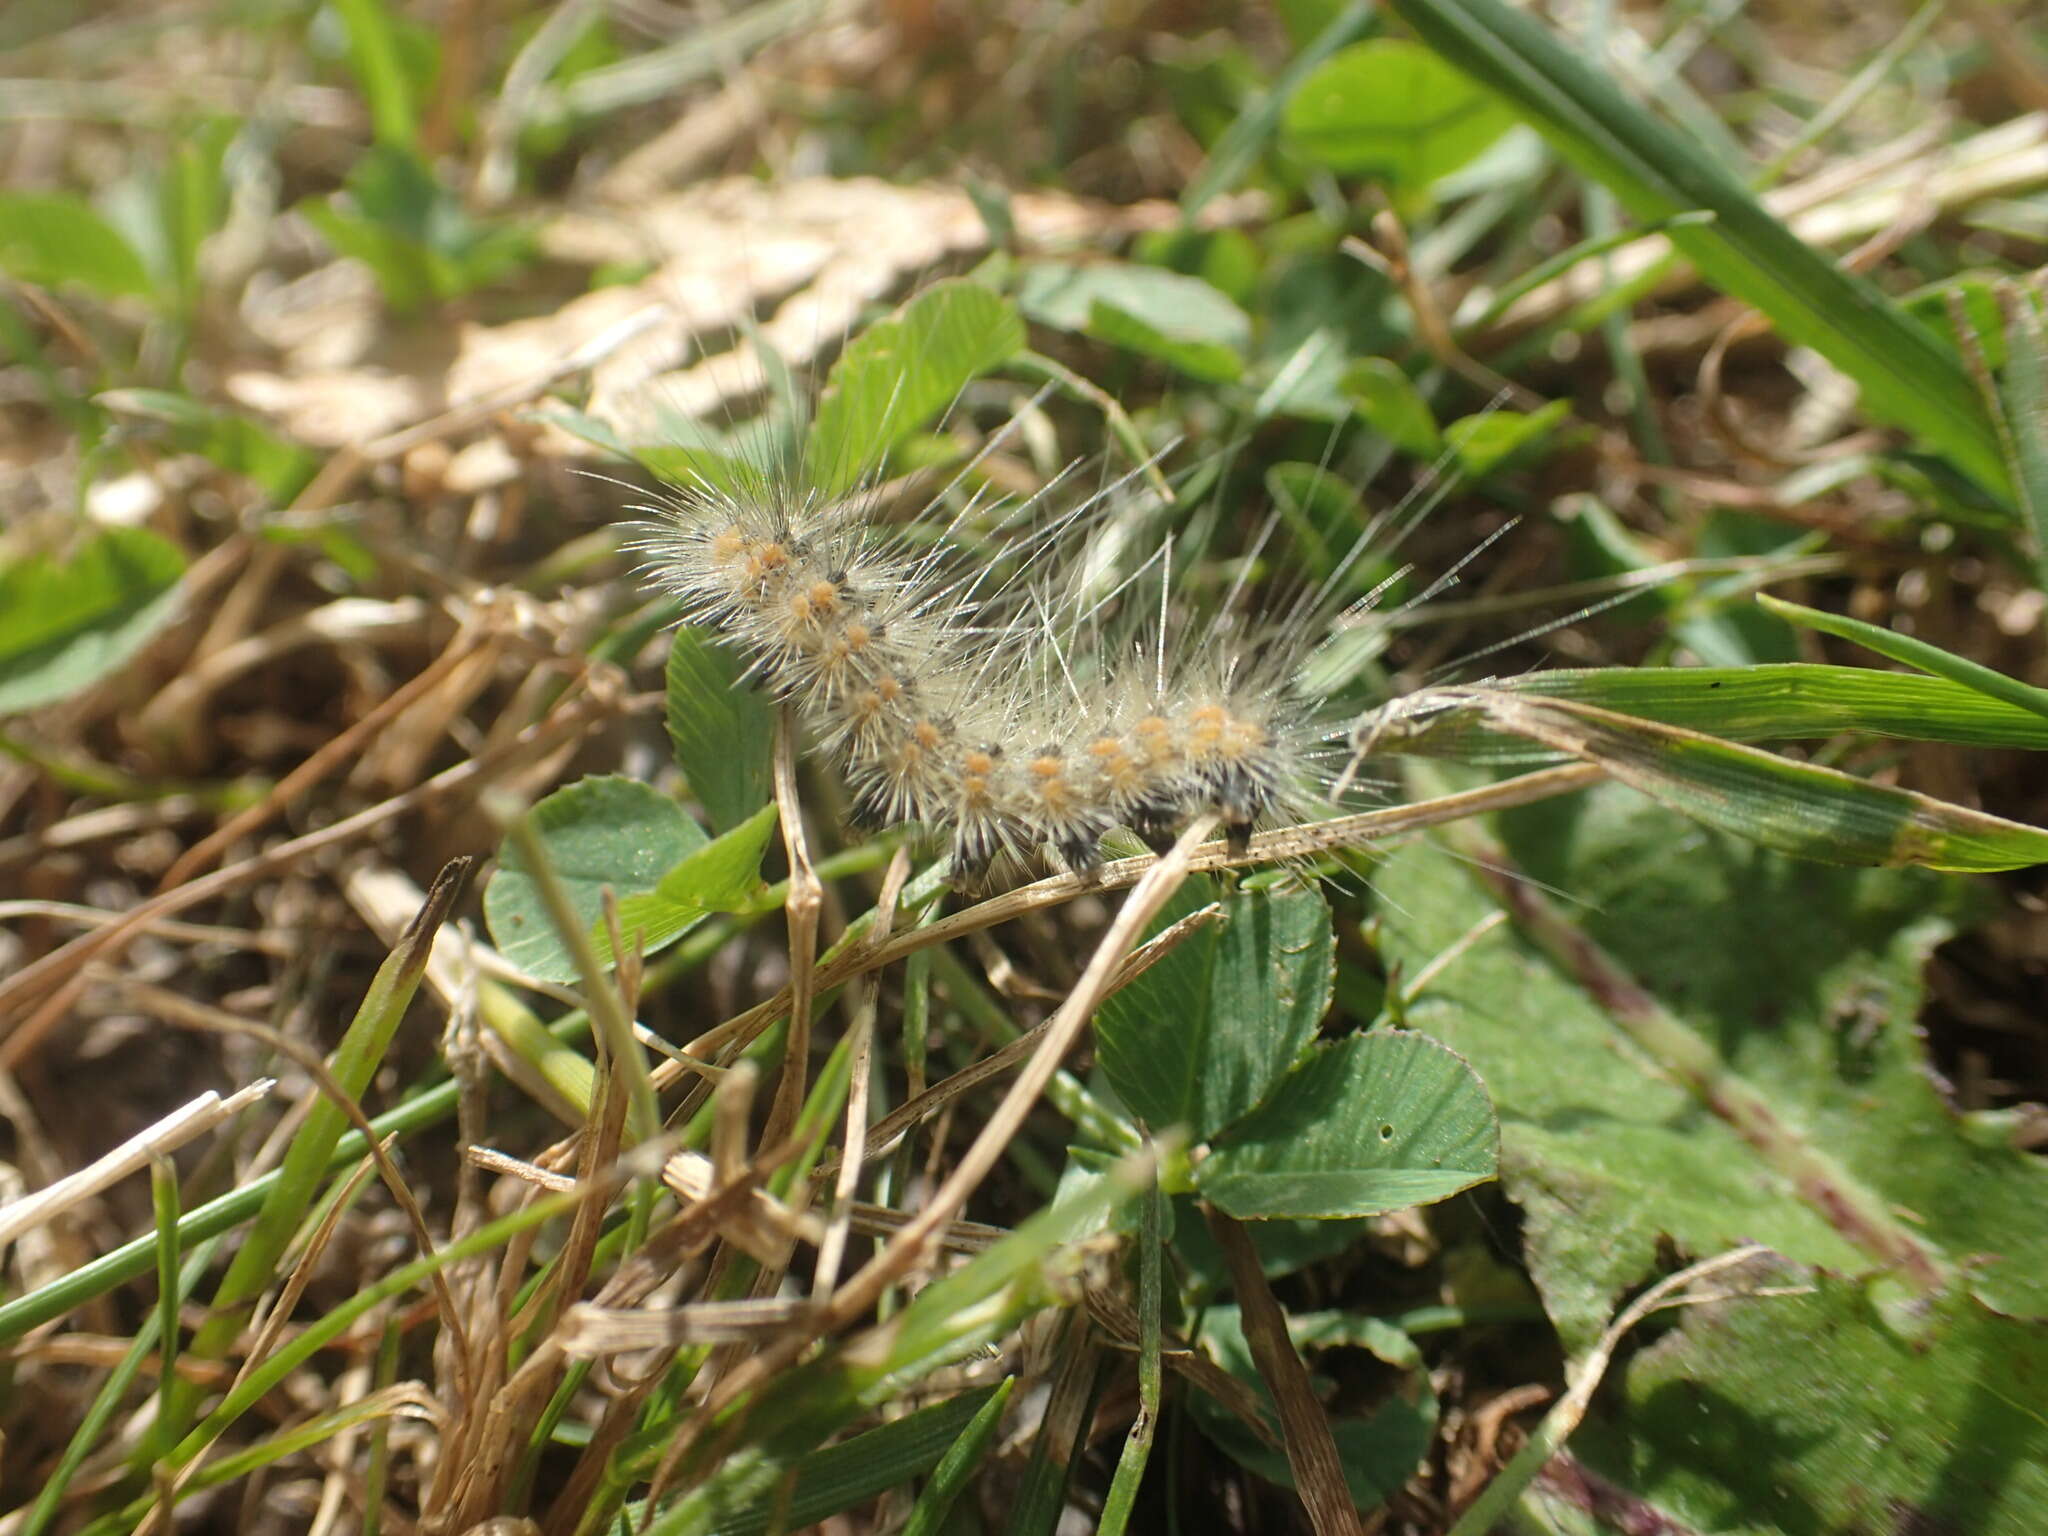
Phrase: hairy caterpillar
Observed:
(1022, 702)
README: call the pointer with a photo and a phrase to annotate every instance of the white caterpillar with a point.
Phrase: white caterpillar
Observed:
(956, 702)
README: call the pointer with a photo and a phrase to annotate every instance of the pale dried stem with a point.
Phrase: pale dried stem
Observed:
(55, 980)
(169, 1481)
(914, 1245)
(340, 472)
(805, 898)
(331, 755)
(924, 1104)
(1585, 1375)
(167, 1134)
(832, 1249)
(1312, 1453)
(1275, 847)
(188, 1014)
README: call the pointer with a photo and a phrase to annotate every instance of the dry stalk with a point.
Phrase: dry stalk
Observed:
(914, 1244)
(186, 1014)
(1304, 1427)
(832, 1250)
(338, 750)
(805, 898)
(36, 997)
(1279, 846)
(924, 1105)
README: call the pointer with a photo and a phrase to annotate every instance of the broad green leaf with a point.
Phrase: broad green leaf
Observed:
(1393, 407)
(900, 373)
(414, 232)
(1285, 1246)
(1200, 1038)
(1380, 1450)
(237, 443)
(52, 238)
(1779, 702)
(1365, 1125)
(1908, 376)
(1808, 1412)
(1798, 808)
(1178, 319)
(722, 730)
(1917, 653)
(722, 876)
(1182, 345)
(1482, 443)
(1394, 110)
(1720, 1048)
(599, 832)
(65, 624)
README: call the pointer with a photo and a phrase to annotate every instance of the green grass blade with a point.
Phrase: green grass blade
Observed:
(1786, 701)
(1908, 377)
(305, 1164)
(832, 1480)
(373, 55)
(2024, 403)
(962, 1458)
(163, 1189)
(1796, 808)
(108, 1400)
(1239, 146)
(1130, 1466)
(1917, 653)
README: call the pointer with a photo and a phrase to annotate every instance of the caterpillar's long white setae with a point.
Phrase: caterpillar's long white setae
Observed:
(961, 711)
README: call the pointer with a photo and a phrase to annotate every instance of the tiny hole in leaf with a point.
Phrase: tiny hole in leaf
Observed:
(1386, 1133)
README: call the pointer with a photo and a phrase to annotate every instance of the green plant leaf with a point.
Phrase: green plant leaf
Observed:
(1029, 1269)
(900, 373)
(722, 731)
(1798, 808)
(722, 876)
(599, 832)
(1380, 1450)
(1775, 702)
(374, 54)
(1655, 171)
(2023, 409)
(52, 238)
(1392, 406)
(1394, 110)
(1178, 319)
(1870, 1431)
(65, 624)
(962, 1459)
(1710, 1045)
(413, 232)
(1978, 679)
(747, 1496)
(1365, 1125)
(1200, 1038)
(235, 442)
(1482, 443)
